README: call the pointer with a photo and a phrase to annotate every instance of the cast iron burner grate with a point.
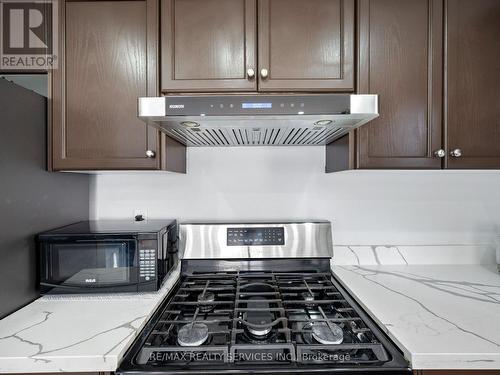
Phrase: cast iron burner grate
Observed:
(262, 318)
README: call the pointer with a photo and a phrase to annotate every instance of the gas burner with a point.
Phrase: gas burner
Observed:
(260, 332)
(206, 297)
(260, 321)
(320, 332)
(192, 334)
(327, 334)
(249, 338)
(308, 297)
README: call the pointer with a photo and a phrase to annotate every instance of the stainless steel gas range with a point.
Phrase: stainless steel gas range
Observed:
(260, 297)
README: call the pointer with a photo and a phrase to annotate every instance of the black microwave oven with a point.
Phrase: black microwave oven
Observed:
(107, 256)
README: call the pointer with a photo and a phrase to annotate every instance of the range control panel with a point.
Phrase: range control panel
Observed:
(253, 236)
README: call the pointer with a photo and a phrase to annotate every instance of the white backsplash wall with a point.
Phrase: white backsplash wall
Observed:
(366, 207)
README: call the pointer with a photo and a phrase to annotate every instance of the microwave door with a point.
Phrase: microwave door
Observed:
(94, 264)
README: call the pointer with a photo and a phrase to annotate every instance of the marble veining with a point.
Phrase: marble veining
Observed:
(441, 316)
(75, 333)
(407, 255)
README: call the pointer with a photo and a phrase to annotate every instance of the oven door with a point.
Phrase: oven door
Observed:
(89, 265)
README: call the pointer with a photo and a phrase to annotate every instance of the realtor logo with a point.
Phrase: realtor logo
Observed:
(28, 35)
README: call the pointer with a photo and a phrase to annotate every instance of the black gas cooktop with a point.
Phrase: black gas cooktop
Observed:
(261, 322)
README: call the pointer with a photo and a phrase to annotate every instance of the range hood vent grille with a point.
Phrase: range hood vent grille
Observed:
(202, 137)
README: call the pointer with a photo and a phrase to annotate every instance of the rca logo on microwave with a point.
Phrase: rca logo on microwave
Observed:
(28, 35)
(90, 280)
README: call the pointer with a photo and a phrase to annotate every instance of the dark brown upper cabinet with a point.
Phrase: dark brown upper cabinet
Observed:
(422, 57)
(212, 45)
(306, 45)
(472, 101)
(208, 45)
(108, 60)
(400, 59)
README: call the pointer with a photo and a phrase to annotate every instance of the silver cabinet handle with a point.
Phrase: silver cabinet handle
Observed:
(150, 154)
(440, 153)
(456, 153)
(264, 73)
(250, 73)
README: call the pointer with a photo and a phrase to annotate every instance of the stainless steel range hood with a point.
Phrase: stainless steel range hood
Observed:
(258, 120)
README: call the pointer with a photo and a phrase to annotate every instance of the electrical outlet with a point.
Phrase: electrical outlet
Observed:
(140, 214)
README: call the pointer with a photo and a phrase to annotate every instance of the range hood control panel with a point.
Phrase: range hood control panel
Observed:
(253, 236)
(254, 105)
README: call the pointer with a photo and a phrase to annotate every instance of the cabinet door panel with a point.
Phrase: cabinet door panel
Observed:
(306, 45)
(473, 83)
(106, 68)
(400, 58)
(208, 45)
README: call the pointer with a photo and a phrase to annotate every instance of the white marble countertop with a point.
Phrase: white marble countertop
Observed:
(75, 333)
(442, 316)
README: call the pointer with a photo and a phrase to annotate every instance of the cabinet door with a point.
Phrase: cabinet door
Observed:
(400, 59)
(473, 83)
(208, 45)
(108, 61)
(306, 45)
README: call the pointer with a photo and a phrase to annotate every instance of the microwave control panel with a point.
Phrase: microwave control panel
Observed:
(147, 264)
(253, 236)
